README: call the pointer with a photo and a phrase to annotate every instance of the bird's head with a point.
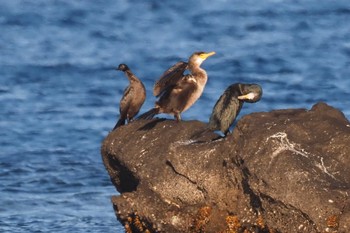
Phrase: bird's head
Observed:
(251, 93)
(122, 67)
(198, 57)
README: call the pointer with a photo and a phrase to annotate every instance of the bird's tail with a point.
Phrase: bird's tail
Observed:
(120, 122)
(202, 136)
(199, 134)
(149, 114)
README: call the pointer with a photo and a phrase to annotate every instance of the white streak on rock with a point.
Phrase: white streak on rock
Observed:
(283, 144)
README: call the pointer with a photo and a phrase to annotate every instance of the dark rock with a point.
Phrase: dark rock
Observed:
(279, 171)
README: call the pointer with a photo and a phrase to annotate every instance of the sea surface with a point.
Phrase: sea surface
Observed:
(59, 92)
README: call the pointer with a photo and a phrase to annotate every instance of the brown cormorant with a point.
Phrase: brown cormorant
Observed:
(133, 98)
(230, 103)
(176, 91)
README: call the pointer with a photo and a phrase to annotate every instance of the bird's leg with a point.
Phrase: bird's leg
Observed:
(177, 116)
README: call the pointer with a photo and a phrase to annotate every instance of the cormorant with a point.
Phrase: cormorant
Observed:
(133, 98)
(176, 91)
(230, 103)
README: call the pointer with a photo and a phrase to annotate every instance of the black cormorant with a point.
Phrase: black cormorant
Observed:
(176, 91)
(133, 98)
(230, 103)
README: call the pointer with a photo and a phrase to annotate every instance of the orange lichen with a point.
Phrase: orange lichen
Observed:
(134, 223)
(201, 219)
(138, 224)
(233, 224)
(260, 222)
(129, 219)
(127, 228)
(332, 221)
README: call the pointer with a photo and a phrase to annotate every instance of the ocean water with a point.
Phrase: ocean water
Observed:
(59, 93)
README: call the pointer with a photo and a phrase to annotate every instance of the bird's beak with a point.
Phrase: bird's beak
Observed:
(248, 96)
(206, 55)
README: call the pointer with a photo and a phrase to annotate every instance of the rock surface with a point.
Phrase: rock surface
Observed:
(279, 171)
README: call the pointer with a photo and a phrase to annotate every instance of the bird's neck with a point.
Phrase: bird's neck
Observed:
(131, 76)
(199, 73)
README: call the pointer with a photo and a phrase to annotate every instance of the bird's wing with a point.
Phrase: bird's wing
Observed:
(125, 102)
(169, 78)
(226, 109)
(180, 95)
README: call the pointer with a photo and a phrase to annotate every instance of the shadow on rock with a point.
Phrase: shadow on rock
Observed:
(150, 125)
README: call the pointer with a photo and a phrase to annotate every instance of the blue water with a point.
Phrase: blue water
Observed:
(59, 94)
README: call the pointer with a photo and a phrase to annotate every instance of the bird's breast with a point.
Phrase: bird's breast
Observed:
(193, 96)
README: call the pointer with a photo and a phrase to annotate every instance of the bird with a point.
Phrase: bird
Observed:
(177, 91)
(133, 98)
(230, 103)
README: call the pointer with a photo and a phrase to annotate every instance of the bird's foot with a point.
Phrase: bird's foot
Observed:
(177, 117)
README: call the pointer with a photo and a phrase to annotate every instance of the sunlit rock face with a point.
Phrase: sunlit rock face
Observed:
(281, 171)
